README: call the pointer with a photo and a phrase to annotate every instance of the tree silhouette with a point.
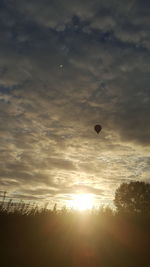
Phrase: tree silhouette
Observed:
(133, 197)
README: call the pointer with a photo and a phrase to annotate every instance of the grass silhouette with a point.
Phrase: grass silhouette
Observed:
(33, 236)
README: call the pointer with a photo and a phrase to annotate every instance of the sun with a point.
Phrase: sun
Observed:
(82, 202)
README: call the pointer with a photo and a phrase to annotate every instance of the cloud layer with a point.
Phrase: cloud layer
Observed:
(65, 66)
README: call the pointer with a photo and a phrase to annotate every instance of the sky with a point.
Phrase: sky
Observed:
(64, 67)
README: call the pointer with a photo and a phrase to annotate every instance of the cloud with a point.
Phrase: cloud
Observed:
(47, 112)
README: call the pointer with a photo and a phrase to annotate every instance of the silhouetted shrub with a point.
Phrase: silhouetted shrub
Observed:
(133, 197)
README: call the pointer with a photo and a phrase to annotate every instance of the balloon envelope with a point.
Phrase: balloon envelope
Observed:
(98, 128)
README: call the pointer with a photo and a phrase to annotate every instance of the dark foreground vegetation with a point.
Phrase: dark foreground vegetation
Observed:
(100, 238)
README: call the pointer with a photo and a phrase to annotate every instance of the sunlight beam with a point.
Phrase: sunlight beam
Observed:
(82, 202)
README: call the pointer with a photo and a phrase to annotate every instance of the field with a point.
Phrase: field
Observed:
(32, 236)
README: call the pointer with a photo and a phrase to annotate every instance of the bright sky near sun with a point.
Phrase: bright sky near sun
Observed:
(82, 202)
(66, 66)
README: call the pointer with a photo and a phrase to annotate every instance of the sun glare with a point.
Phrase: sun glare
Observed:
(82, 202)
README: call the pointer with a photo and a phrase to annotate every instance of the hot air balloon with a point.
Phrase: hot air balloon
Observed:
(98, 128)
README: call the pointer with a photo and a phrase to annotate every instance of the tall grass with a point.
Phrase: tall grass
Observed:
(41, 237)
